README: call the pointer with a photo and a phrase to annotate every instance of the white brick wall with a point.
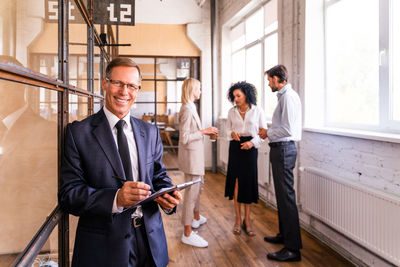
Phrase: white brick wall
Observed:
(370, 162)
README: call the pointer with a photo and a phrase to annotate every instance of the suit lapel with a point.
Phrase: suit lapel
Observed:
(139, 135)
(103, 134)
(196, 116)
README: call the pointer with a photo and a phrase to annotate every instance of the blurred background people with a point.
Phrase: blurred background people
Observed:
(191, 160)
(244, 120)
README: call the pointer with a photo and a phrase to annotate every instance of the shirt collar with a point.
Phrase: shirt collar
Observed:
(284, 89)
(113, 119)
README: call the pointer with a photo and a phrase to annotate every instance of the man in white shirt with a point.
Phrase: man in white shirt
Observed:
(284, 131)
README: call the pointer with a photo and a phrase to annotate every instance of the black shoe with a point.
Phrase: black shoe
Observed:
(278, 239)
(285, 255)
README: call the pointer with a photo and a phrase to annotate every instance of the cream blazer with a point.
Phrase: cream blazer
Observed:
(191, 141)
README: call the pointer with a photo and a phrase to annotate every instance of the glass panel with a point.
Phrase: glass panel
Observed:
(77, 54)
(270, 60)
(254, 28)
(271, 51)
(97, 71)
(271, 16)
(183, 68)
(170, 117)
(166, 68)
(253, 67)
(238, 39)
(28, 162)
(170, 91)
(28, 35)
(48, 256)
(352, 54)
(143, 111)
(395, 51)
(238, 66)
(146, 66)
(78, 107)
(98, 104)
(147, 92)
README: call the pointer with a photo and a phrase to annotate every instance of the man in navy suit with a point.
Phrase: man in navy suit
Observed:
(111, 161)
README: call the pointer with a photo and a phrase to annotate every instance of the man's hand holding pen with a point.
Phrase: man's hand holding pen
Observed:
(131, 193)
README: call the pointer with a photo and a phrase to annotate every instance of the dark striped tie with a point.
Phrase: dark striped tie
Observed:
(123, 150)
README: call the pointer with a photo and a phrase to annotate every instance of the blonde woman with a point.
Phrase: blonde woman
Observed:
(191, 160)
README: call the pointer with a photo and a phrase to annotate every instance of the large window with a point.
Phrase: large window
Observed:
(360, 67)
(254, 45)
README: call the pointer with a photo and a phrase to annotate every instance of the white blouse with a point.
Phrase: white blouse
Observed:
(248, 126)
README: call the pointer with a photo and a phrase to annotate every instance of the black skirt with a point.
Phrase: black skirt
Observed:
(242, 164)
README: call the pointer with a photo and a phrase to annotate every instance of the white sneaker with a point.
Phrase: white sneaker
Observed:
(197, 223)
(194, 240)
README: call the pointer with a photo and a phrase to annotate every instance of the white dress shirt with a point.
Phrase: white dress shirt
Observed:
(128, 131)
(253, 119)
(286, 120)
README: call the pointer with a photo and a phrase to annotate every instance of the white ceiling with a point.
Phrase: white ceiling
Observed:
(167, 11)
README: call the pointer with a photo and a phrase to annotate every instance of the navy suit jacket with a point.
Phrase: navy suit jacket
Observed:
(89, 167)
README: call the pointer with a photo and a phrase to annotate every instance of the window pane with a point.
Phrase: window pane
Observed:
(253, 68)
(237, 37)
(271, 51)
(96, 71)
(352, 67)
(270, 60)
(78, 107)
(271, 16)
(146, 66)
(183, 68)
(395, 51)
(28, 163)
(77, 55)
(147, 92)
(27, 34)
(238, 66)
(143, 111)
(166, 68)
(254, 28)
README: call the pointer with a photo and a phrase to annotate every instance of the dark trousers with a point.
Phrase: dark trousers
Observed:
(283, 160)
(140, 254)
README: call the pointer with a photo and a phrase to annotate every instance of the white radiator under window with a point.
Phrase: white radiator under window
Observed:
(369, 217)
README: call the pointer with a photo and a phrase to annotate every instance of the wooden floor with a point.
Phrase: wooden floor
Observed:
(227, 249)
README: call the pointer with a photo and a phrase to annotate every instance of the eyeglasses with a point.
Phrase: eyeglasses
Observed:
(120, 84)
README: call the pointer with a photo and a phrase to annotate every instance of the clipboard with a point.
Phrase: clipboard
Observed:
(163, 191)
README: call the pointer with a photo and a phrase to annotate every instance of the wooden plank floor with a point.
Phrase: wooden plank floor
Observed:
(227, 249)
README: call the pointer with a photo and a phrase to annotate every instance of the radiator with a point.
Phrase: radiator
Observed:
(369, 217)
